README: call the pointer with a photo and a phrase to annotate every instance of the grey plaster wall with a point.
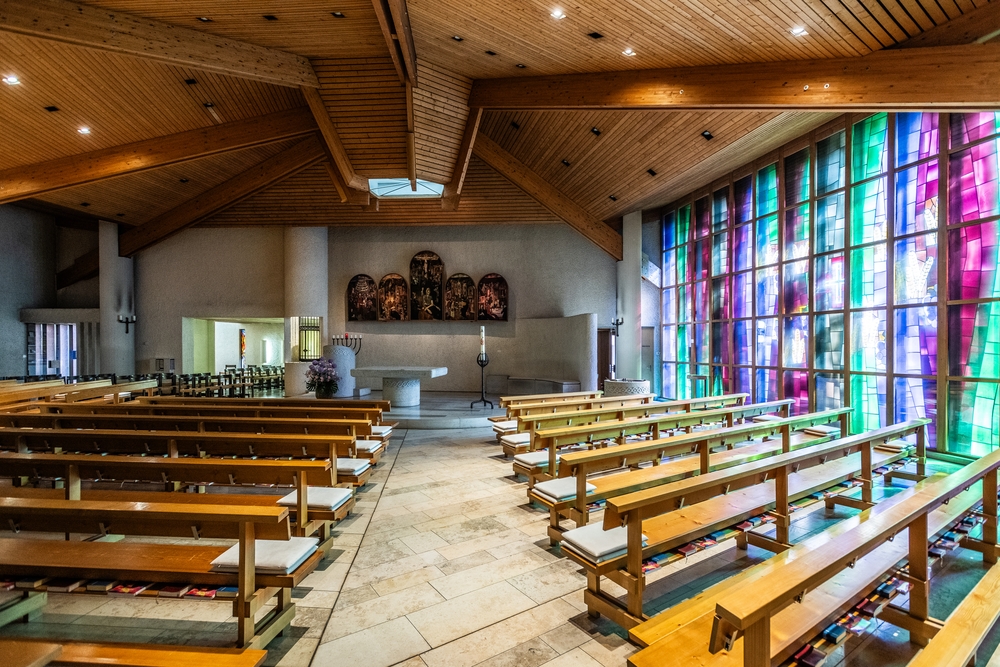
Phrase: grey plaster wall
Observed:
(71, 244)
(27, 278)
(552, 272)
(222, 273)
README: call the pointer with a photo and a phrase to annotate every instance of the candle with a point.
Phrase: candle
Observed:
(482, 340)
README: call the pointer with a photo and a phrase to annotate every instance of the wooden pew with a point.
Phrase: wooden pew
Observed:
(32, 391)
(160, 563)
(346, 430)
(580, 465)
(7, 386)
(508, 424)
(674, 514)
(793, 599)
(134, 655)
(116, 391)
(619, 430)
(382, 405)
(506, 401)
(184, 444)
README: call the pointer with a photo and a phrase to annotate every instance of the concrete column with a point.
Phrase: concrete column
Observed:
(629, 344)
(306, 294)
(117, 298)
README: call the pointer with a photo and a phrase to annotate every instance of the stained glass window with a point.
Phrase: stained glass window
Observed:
(797, 177)
(669, 306)
(765, 385)
(720, 254)
(868, 276)
(720, 298)
(868, 212)
(972, 182)
(869, 148)
(701, 298)
(744, 382)
(796, 292)
(917, 199)
(683, 225)
(743, 258)
(830, 341)
(829, 391)
(670, 343)
(973, 255)
(868, 402)
(974, 340)
(767, 291)
(797, 388)
(868, 337)
(969, 127)
(743, 295)
(743, 195)
(973, 417)
(669, 268)
(701, 259)
(916, 137)
(797, 232)
(767, 190)
(830, 162)
(829, 288)
(767, 342)
(742, 337)
(915, 345)
(720, 343)
(767, 240)
(915, 399)
(720, 209)
(830, 223)
(795, 351)
(916, 270)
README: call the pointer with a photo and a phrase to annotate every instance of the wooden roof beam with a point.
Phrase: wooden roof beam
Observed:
(84, 267)
(453, 189)
(934, 78)
(978, 26)
(548, 196)
(119, 32)
(272, 170)
(398, 37)
(32, 180)
(331, 140)
(411, 140)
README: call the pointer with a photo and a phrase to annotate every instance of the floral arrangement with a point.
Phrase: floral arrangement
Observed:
(322, 377)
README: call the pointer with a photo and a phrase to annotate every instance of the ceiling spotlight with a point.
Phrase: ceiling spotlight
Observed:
(596, 132)
(708, 135)
(209, 105)
(203, 19)
(456, 38)
(85, 203)
(514, 125)
(798, 31)
(558, 14)
(337, 15)
(190, 82)
(595, 35)
(651, 172)
(84, 130)
(11, 80)
(565, 163)
(628, 52)
(612, 198)
(120, 215)
(270, 17)
(51, 109)
(491, 53)
(521, 66)
(184, 180)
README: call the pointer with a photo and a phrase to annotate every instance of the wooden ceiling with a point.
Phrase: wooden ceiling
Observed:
(394, 95)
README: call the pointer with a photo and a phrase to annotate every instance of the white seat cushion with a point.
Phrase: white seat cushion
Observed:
(515, 439)
(767, 418)
(822, 431)
(381, 430)
(505, 425)
(353, 466)
(369, 446)
(560, 489)
(270, 556)
(598, 544)
(539, 458)
(319, 497)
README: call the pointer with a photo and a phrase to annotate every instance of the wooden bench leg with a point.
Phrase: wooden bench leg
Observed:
(920, 590)
(25, 609)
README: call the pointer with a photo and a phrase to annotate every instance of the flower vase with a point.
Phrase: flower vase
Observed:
(326, 390)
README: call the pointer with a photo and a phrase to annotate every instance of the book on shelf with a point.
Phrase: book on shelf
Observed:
(127, 590)
(64, 584)
(228, 593)
(174, 591)
(151, 591)
(7, 585)
(201, 594)
(29, 583)
(101, 586)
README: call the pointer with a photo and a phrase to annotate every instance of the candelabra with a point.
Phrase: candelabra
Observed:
(126, 320)
(352, 341)
(483, 359)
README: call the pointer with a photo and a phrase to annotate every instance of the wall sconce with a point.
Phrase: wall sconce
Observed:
(126, 320)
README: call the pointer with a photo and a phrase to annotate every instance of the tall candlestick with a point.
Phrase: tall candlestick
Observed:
(482, 340)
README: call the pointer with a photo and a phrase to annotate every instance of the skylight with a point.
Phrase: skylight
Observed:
(399, 188)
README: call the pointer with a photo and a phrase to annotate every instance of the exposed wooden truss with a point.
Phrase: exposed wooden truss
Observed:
(300, 156)
(394, 20)
(32, 180)
(981, 25)
(453, 189)
(539, 189)
(85, 266)
(945, 77)
(331, 140)
(119, 32)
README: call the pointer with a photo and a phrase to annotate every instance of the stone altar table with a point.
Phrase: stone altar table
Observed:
(400, 384)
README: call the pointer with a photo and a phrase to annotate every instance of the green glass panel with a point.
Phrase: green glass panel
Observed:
(974, 340)
(973, 417)
(683, 227)
(869, 147)
(868, 277)
(767, 190)
(867, 402)
(683, 343)
(683, 274)
(868, 212)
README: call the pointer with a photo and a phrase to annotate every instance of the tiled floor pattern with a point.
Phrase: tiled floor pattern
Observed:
(443, 565)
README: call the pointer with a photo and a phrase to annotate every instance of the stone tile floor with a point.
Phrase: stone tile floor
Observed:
(442, 564)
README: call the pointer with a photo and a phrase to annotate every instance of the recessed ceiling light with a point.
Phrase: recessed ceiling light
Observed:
(120, 215)
(51, 109)
(209, 105)
(85, 203)
(11, 80)
(798, 31)
(491, 53)
(612, 198)
(565, 163)
(596, 132)
(203, 19)
(84, 130)
(270, 17)
(628, 52)
(184, 180)
(514, 125)
(338, 15)
(595, 35)
(558, 14)
(457, 38)
(520, 66)
(190, 82)
(651, 172)
(708, 135)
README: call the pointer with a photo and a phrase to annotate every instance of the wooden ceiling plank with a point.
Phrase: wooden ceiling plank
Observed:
(84, 267)
(118, 32)
(453, 189)
(303, 154)
(945, 77)
(536, 187)
(978, 26)
(331, 139)
(32, 180)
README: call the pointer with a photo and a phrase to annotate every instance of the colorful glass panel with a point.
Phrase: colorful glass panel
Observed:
(669, 379)
(767, 240)
(767, 190)
(742, 346)
(797, 232)
(868, 338)
(702, 217)
(969, 127)
(684, 303)
(720, 254)
(829, 391)
(720, 381)
(765, 385)
(916, 398)
(701, 343)
(683, 343)
(669, 306)
(767, 291)
(683, 387)
(868, 212)
(830, 341)
(973, 256)
(701, 297)
(867, 402)
(868, 279)
(830, 223)
(797, 177)
(916, 137)
(720, 298)
(869, 148)
(796, 292)
(797, 388)
(702, 256)
(683, 226)
(720, 343)
(972, 183)
(915, 343)
(720, 209)
(831, 159)
(916, 270)
(670, 268)
(744, 382)
(767, 342)
(743, 294)
(974, 340)
(683, 264)
(829, 287)
(670, 229)
(795, 350)
(917, 199)
(670, 343)
(743, 257)
(743, 196)
(973, 417)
